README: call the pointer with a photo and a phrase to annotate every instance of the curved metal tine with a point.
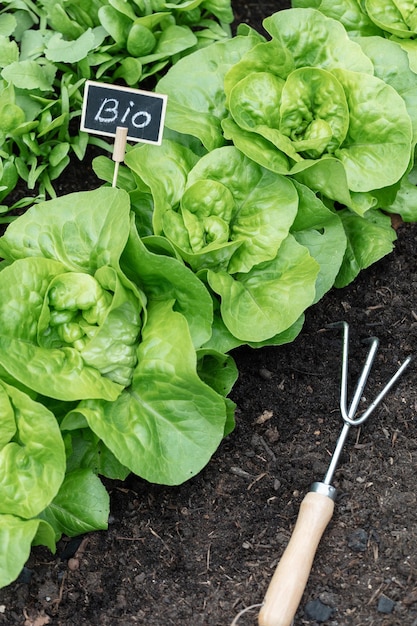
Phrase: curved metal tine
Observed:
(385, 390)
(348, 414)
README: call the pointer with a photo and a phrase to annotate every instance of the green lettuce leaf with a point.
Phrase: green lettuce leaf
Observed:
(162, 277)
(267, 300)
(321, 231)
(405, 202)
(32, 469)
(62, 50)
(30, 75)
(398, 17)
(375, 153)
(369, 238)
(349, 12)
(81, 505)
(83, 230)
(396, 73)
(32, 454)
(223, 341)
(16, 539)
(86, 450)
(219, 371)
(196, 102)
(175, 160)
(315, 40)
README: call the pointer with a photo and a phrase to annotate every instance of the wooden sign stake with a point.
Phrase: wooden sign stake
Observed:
(119, 150)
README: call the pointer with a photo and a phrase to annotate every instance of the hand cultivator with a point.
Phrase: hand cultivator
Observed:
(290, 578)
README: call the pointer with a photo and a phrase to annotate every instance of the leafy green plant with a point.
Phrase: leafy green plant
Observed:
(264, 246)
(385, 30)
(395, 19)
(116, 376)
(49, 49)
(307, 104)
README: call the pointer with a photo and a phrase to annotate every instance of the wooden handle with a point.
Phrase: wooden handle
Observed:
(290, 578)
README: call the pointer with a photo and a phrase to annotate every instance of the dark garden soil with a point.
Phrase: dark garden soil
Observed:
(197, 554)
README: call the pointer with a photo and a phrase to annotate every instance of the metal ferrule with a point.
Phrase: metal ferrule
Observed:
(324, 489)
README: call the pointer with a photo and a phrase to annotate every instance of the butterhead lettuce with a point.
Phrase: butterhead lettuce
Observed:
(66, 309)
(229, 219)
(168, 423)
(63, 353)
(330, 116)
(307, 103)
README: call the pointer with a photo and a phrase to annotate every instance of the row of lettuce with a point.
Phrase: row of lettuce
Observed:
(282, 160)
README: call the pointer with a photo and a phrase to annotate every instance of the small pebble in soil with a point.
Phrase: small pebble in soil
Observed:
(265, 373)
(315, 609)
(329, 598)
(385, 605)
(73, 564)
(358, 540)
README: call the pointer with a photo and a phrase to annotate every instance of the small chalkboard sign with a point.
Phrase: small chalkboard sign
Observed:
(106, 107)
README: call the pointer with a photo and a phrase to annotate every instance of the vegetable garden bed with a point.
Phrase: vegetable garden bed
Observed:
(198, 553)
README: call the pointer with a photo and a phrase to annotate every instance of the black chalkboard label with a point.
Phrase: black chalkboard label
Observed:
(105, 107)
